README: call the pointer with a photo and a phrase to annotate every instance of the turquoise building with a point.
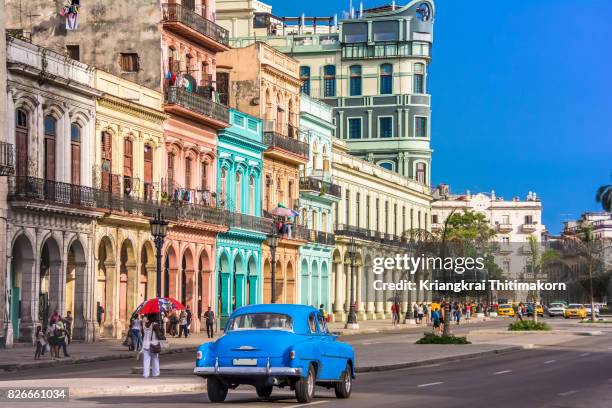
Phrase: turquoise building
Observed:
(318, 194)
(239, 170)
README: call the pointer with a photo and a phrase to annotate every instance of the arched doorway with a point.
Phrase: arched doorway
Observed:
(106, 306)
(239, 282)
(223, 287)
(76, 292)
(267, 276)
(170, 272)
(22, 287)
(187, 279)
(305, 283)
(252, 282)
(147, 277)
(204, 283)
(279, 283)
(127, 283)
(290, 287)
(52, 281)
(324, 296)
(315, 295)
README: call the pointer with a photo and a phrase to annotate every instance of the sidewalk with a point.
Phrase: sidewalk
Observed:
(19, 358)
(379, 326)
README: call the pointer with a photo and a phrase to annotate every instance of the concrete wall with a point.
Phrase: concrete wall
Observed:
(106, 28)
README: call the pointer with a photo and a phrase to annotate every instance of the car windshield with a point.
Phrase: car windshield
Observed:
(575, 306)
(261, 321)
(557, 305)
(504, 306)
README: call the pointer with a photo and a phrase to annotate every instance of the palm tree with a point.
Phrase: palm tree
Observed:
(604, 196)
(538, 259)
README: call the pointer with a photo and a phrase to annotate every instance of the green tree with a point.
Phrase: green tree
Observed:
(538, 259)
(604, 197)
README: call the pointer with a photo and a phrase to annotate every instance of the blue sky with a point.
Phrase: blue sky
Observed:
(521, 97)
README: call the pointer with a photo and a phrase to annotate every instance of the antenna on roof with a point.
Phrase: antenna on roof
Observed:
(351, 9)
(360, 8)
(393, 5)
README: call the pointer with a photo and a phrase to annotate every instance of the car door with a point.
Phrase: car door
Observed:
(333, 361)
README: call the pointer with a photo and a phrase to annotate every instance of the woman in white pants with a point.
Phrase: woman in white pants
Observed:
(151, 346)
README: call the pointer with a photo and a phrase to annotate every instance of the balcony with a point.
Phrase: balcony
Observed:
(250, 222)
(7, 165)
(503, 227)
(195, 106)
(324, 238)
(173, 193)
(195, 27)
(320, 186)
(284, 147)
(370, 235)
(529, 227)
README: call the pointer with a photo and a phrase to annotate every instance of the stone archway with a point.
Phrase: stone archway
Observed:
(147, 276)
(279, 283)
(252, 281)
(77, 293)
(23, 305)
(315, 295)
(324, 272)
(305, 283)
(290, 294)
(128, 283)
(170, 273)
(187, 279)
(238, 282)
(107, 305)
(205, 284)
(52, 283)
(267, 276)
(223, 286)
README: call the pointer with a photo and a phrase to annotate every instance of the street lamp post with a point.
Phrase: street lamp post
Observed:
(351, 322)
(159, 229)
(272, 240)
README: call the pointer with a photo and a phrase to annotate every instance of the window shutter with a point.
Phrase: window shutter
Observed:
(76, 164)
(148, 164)
(21, 145)
(127, 158)
(50, 159)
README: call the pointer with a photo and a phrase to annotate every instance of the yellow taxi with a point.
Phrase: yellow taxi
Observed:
(575, 310)
(505, 310)
(540, 310)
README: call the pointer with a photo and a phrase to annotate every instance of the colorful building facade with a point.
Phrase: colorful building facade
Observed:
(239, 258)
(318, 194)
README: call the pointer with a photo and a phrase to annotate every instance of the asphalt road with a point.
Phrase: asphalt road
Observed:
(576, 374)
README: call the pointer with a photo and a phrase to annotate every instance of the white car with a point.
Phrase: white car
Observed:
(556, 309)
(588, 308)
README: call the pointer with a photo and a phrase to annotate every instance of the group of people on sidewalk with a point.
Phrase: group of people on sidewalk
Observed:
(55, 334)
(178, 323)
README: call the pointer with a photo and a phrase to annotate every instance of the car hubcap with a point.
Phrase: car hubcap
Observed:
(347, 382)
(310, 384)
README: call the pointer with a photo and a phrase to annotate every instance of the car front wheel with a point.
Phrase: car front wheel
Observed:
(216, 389)
(304, 387)
(345, 385)
(264, 392)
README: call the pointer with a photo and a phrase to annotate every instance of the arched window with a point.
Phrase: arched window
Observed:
(386, 79)
(325, 159)
(148, 172)
(22, 130)
(188, 162)
(315, 155)
(238, 192)
(355, 80)
(252, 195)
(49, 154)
(170, 174)
(386, 165)
(128, 166)
(421, 173)
(204, 176)
(305, 77)
(223, 201)
(75, 154)
(106, 145)
(329, 81)
(419, 79)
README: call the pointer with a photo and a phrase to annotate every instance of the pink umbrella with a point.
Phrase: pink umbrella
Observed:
(284, 212)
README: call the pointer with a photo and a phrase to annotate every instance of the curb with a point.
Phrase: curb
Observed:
(82, 360)
(123, 390)
(522, 332)
(398, 366)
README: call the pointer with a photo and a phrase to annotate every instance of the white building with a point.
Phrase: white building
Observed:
(50, 119)
(600, 223)
(513, 219)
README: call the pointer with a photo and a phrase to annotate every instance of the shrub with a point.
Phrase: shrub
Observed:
(528, 325)
(429, 338)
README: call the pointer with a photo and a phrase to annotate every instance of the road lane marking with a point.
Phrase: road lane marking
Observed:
(566, 393)
(549, 361)
(305, 405)
(429, 384)
(502, 372)
(585, 354)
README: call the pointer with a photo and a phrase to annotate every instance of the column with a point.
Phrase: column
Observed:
(29, 301)
(339, 283)
(111, 307)
(191, 286)
(80, 324)
(340, 125)
(370, 124)
(57, 287)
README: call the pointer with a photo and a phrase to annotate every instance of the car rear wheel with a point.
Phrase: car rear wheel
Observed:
(264, 392)
(304, 387)
(345, 385)
(216, 389)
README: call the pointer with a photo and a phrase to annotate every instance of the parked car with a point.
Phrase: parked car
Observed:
(588, 309)
(575, 310)
(529, 307)
(556, 309)
(505, 310)
(278, 345)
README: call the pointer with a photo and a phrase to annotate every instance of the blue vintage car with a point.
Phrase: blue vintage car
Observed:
(276, 345)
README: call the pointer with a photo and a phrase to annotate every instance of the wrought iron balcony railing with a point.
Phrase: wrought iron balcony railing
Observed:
(369, 235)
(324, 238)
(196, 103)
(178, 13)
(250, 222)
(274, 138)
(323, 187)
(7, 165)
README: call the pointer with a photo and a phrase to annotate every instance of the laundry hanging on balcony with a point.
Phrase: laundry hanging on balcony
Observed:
(70, 10)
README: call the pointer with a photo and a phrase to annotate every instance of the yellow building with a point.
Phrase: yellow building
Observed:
(127, 172)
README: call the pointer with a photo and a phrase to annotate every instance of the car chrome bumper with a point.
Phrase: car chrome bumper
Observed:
(236, 371)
